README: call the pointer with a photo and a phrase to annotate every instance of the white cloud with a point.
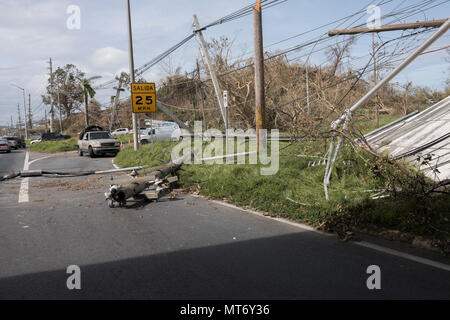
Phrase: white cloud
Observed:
(109, 58)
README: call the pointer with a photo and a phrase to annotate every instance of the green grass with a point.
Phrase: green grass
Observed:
(146, 156)
(296, 191)
(55, 146)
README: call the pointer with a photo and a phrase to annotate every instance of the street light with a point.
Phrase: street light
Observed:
(24, 109)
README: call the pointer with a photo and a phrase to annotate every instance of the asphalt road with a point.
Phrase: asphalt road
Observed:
(187, 248)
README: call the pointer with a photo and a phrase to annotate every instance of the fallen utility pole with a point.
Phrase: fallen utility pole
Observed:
(121, 191)
(41, 173)
(346, 116)
(212, 71)
(392, 27)
(260, 101)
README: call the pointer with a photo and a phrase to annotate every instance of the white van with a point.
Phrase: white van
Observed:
(163, 133)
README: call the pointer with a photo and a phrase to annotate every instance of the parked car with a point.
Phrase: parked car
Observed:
(51, 136)
(121, 131)
(4, 146)
(35, 141)
(98, 143)
(15, 142)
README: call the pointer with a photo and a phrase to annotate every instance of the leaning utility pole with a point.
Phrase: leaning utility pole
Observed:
(52, 114)
(30, 121)
(130, 53)
(212, 71)
(201, 93)
(307, 91)
(385, 28)
(115, 103)
(260, 102)
(374, 56)
(393, 27)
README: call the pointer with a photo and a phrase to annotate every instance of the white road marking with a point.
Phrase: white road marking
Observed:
(114, 165)
(372, 246)
(23, 193)
(407, 256)
(38, 160)
(24, 185)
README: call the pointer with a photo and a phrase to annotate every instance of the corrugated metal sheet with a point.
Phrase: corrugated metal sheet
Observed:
(418, 131)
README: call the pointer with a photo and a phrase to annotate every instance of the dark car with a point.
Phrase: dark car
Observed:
(54, 136)
(16, 142)
(89, 129)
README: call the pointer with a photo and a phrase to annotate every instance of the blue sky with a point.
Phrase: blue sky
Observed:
(31, 31)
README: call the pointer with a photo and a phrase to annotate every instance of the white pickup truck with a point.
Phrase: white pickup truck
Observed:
(98, 143)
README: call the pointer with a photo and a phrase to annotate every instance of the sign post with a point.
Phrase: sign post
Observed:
(225, 104)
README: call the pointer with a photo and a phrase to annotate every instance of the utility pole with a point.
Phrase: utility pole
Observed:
(46, 121)
(377, 115)
(25, 115)
(19, 123)
(52, 114)
(115, 103)
(59, 109)
(130, 53)
(260, 103)
(307, 91)
(24, 110)
(212, 71)
(201, 93)
(30, 121)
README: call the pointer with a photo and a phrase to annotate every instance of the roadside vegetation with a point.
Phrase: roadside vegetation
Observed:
(54, 146)
(296, 192)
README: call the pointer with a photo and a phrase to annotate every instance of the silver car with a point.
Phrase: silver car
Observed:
(5, 146)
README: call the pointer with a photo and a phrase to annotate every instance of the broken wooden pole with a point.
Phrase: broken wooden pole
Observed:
(392, 27)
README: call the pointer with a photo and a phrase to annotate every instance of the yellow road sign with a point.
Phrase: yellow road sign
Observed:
(143, 97)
